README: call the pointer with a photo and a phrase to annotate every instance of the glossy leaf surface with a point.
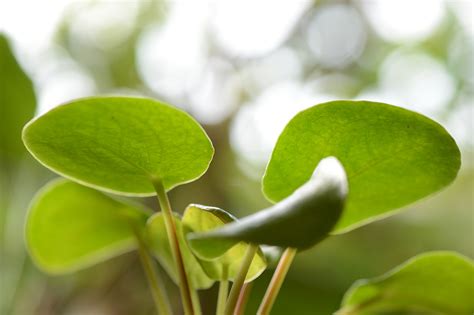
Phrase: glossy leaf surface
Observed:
(392, 156)
(300, 221)
(433, 283)
(219, 264)
(70, 227)
(120, 144)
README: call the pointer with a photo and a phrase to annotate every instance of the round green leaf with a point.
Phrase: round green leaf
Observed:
(392, 156)
(17, 103)
(436, 282)
(158, 241)
(299, 221)
(219, 262)
(120, 144)
(70, 227)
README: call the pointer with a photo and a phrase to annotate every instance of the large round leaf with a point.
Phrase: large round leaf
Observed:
(392, 156)
(219, 263)
(120, 144)
(299, 221)
(70, 227)
(160, 246)
(433, 283)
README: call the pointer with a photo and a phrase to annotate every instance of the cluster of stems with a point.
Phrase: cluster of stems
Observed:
(228, 303)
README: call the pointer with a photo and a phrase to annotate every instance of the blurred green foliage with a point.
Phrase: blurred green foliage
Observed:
(18, 104)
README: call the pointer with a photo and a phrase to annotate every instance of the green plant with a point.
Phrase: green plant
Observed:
(336, 166)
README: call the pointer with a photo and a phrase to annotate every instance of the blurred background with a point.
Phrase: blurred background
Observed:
(242, 68)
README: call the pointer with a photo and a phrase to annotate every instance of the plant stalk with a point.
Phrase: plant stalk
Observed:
(239, 279)
(196, 302)
(276, 282)
(155, 281)
(184, 286)
(223, 291)
(243, 299)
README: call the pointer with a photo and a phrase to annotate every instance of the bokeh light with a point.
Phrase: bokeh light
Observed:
(216, 95)
(104, 25)
(336, 35)
(405, 20)
(60, 79)
(257, 125)
(249, 28)
(283, 64)
(414, 80)
(172, 55)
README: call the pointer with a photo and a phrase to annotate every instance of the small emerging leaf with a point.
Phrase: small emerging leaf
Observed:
(392, 156)
(220, 263)
(299, 221)
(120, 144)
(70, 227)
(435, 283)
(160, 247)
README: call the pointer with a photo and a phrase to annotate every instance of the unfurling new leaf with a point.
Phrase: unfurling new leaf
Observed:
(299, 221)
(219, 264)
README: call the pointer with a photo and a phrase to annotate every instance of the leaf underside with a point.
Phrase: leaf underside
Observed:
(70, 227)
(120, 144)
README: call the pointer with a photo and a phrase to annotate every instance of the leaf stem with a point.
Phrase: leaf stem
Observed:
(239, 279)
(276, 282)
(196, 302)
(223, 291)
(184, 286)
(155, 281)
(243, 298)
